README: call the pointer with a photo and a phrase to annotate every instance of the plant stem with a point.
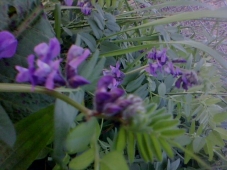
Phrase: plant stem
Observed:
(24, 88)
(184, 93)
(136, 70)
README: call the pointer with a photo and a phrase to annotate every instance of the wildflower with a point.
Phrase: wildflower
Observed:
(153, 68)
(27, 74)
(8, 44)
(68, 2)
(47, 70)
(112, 102)
(86, 6)
(187, 80)
(116, 73)
(76, 55)
(159, 56)
(47, 53)
(161, 63)
(105, 97)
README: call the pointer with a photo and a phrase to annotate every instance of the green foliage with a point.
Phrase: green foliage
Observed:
(64, 119)
(79, 137)
(37, 127)
(7, 132)
(176, 123)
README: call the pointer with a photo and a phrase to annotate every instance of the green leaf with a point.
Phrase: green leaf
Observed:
(187, 156)
(82, 161)
(97, 32)
(222, 132)
(113, 161)
(209, 147)
(89, 67)
(36, 127)
(220, 117)
(135, 84)
(79, 138)
(142, 91)
(166, 147)
(140, 144)
(219, 13)
(98, 19)
(192, 128)
(155, 145)
(165, 124)
(131, 146)
(64, 119)
(162, 89)
(121, 140)
(172, 133)
(7, 131)
(113, 26)
(198, 143)
(148, 147)
(216, 139)
(89, 40)
(183, 140)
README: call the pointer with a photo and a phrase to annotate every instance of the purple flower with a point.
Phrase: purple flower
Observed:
(116, 73)
(76, 55)
(47, 53)
(47, 72)
(154, 68)
(159, 56)
(8, 44)
(162, 63)
(105, 97)
(68, 2)
(179, 60)
(86, 6)
(112, 102)
(27, 74)
(187, 80)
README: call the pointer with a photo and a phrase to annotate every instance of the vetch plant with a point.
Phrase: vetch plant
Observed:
(119, 88)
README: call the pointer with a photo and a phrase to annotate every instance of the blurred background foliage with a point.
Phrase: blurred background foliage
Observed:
(180, 130)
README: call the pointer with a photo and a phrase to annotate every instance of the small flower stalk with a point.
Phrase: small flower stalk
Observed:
(8, 44)
(45, 70)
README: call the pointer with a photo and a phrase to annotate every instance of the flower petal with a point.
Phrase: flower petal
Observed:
(77, 81)
(8, 44)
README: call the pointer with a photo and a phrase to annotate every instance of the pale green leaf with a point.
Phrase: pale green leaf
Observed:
(113, 161)
(82, 161)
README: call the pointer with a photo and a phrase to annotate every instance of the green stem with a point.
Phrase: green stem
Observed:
(57, 18)
(136, 70)
(184, 93)
(24, 88)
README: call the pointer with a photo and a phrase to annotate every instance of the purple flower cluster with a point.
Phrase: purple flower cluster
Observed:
(8, 44)
(161, 63)
(46, 72)
(116, 73)
(86, 6)
(112, 102)
(187, 79)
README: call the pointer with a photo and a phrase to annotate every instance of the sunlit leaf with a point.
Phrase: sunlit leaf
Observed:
(113, 161)
(79, 138)
(82, 161)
